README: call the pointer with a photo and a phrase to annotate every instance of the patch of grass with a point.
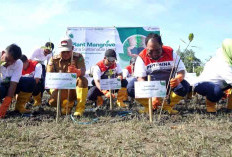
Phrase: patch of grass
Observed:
(191, 133)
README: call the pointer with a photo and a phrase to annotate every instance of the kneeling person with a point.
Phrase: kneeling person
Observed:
(29, 84)
(62, 63)
(10, 70)
(157, 60)
(216, 77)
(101, 71)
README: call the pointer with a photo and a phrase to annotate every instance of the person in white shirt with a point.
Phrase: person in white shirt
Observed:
(216, 77)
(10, 71)
(157, 61)
(43, 55)
(101, 71)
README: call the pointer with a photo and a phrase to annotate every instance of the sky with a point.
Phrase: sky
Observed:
(32, 23)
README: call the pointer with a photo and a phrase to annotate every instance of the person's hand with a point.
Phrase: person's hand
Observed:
(174, 82)
(5, 105)
(73, 69)
(119, 77)
(155, 102)
(227, 93)
(107, 94)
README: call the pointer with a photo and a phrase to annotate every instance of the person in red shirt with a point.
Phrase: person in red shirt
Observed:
(157, 61)
(32, 72)
(128, 71)
(100, 71)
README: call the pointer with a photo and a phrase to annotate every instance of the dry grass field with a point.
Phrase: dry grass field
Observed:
(191, 133)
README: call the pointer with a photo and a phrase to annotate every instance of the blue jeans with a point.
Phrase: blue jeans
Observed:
(182, 89)
(3, 90)
(212, 91)
(26, 84)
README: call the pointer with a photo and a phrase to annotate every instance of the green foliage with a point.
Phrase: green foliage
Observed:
(191, 62)
(191, 36)
(198, 70)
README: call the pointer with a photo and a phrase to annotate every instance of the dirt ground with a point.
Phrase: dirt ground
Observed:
(121, 132)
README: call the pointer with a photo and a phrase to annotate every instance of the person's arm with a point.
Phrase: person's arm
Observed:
(178, 78)
(81, 64)
(78, 67)
(140, 69)
(97, 76)
(15, 77)
(125, 73)
(48, 58)
(119, 71)
(50, 66)
(38, 73)
(97, 83)
(12, 89)
(180, 72)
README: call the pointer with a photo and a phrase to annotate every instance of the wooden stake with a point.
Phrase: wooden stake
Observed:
(67, 104)
(58, 104)
(150, 104)
(111, 102)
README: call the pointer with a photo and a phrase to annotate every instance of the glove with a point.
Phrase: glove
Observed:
(73, 69)
(5, 105)
(227, 93)
(155, 102)
(176, 81)
(119, 77)
(107, 94)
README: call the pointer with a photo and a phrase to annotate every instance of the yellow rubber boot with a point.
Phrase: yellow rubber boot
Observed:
(144, 102)
(99, 101)
(210, 106)
(229, 101)
(122, 95)
(81, 101)
(174, 99)
(66, 107)
(38, 100)
(22, 99)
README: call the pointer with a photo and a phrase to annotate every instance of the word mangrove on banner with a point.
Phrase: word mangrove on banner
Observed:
(91, 44)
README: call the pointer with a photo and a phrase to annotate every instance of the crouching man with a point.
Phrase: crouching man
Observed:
(101, 71)
(62, 63)
(30, 84)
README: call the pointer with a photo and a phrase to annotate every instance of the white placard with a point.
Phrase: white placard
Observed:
(149, 89)
(108, 84)
(60, 81)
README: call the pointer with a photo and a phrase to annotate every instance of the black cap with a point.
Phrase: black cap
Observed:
(110, 54)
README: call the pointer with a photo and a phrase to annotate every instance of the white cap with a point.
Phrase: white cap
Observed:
(65, 44)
